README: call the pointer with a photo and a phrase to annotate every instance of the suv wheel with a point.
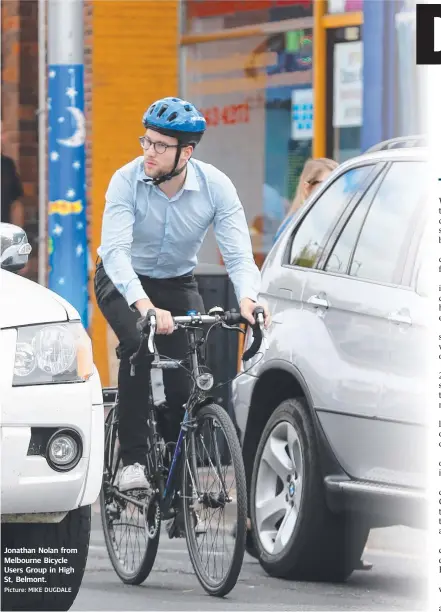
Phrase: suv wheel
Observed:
(60, 589)
(295, 533)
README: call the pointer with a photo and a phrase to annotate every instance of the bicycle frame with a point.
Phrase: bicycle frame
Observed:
(196, 399)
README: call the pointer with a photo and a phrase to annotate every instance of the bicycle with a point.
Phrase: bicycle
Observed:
(192, 478)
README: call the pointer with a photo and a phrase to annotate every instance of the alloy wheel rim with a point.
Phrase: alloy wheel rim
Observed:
(279, 487)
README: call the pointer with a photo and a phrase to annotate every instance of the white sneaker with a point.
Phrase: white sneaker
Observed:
(133, 477)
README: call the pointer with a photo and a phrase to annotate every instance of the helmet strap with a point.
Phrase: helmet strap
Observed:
(166, 177)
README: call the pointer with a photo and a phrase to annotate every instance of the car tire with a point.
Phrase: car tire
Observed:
(73, 532)
(315, 544)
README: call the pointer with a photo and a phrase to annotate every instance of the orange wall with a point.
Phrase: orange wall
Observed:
(135, 61)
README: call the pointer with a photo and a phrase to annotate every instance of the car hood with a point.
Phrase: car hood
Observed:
(23, 302)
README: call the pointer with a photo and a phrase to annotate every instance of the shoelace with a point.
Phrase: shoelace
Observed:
(136, 469)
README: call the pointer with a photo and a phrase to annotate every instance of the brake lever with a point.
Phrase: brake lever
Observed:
(233, 328)
(261, 321)
(152, 334)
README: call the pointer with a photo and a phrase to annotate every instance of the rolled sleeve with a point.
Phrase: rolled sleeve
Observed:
(117, 237)
(233, 238)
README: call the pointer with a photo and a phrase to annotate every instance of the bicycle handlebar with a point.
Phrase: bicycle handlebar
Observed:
(217, 316)
(257, 334)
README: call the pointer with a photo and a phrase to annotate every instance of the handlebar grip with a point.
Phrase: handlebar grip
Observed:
(257, 335)
(144, 322)
(233, 318)
(257, 341)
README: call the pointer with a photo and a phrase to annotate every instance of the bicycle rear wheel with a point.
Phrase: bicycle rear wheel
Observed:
(128, 528)
(214, 498)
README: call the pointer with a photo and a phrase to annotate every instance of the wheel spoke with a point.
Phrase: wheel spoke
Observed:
(294, 450)
(285, 530)
(275, 456)
(269, 512)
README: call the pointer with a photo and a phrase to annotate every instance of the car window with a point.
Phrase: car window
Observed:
(310, 236)
(339, 258)
(389, 224)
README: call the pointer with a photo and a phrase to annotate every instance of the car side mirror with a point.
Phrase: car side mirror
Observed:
(15, 248)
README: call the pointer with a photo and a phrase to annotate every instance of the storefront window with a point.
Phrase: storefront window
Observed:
(213, 15)
(256, 94)
(345, 93)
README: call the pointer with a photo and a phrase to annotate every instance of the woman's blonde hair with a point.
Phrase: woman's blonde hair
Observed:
(312, 171)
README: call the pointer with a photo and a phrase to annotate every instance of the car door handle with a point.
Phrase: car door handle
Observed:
(397, 317)
(316, 300)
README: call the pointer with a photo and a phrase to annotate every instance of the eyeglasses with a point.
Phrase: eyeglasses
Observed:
(159, 147)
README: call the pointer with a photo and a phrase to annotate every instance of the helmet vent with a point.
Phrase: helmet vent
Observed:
(162, 111)
(172, 117)
(152, 109)
(187, 107)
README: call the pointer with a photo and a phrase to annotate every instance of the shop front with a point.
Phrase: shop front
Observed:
(248, 67)
(338, 78)
(269, 105)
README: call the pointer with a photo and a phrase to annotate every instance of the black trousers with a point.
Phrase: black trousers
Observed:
(178, 295)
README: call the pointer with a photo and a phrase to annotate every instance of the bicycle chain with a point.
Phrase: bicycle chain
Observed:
(152, 531)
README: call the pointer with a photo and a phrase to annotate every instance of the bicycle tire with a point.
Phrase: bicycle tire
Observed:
(146, 565)
(227, 584)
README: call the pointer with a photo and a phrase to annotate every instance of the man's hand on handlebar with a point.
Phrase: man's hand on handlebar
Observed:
(148, 325)
(164, 322)
(247, 308)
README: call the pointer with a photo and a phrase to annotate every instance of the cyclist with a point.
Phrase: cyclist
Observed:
(157, 213)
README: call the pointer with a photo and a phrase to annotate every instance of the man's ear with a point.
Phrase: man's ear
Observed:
(188, 152)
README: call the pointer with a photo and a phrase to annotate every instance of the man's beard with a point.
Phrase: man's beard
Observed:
(156, 171)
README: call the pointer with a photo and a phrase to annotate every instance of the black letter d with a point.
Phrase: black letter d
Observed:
(426, 18)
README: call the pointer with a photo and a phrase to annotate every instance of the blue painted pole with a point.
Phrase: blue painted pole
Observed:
(67, 226)
(391, 120)
(372, 130)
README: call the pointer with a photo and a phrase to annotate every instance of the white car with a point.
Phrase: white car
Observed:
(52, 438)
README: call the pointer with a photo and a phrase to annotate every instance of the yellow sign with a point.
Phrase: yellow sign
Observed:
(63, 207)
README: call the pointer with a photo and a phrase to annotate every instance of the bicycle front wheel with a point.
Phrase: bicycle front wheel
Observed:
(214, 499)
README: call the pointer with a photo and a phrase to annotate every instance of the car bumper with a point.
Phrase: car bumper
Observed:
(29, 484)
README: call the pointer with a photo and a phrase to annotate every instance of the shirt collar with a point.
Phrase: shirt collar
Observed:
(191, 180)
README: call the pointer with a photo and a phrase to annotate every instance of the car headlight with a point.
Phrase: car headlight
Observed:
(52, 353)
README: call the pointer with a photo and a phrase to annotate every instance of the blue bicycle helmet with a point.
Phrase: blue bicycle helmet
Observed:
(177, 118)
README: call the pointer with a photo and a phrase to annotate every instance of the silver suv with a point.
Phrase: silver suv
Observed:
(333, 419)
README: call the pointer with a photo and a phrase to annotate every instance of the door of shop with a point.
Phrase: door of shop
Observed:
(344, 95)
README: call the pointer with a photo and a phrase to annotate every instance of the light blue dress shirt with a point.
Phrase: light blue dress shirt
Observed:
(144, 232)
